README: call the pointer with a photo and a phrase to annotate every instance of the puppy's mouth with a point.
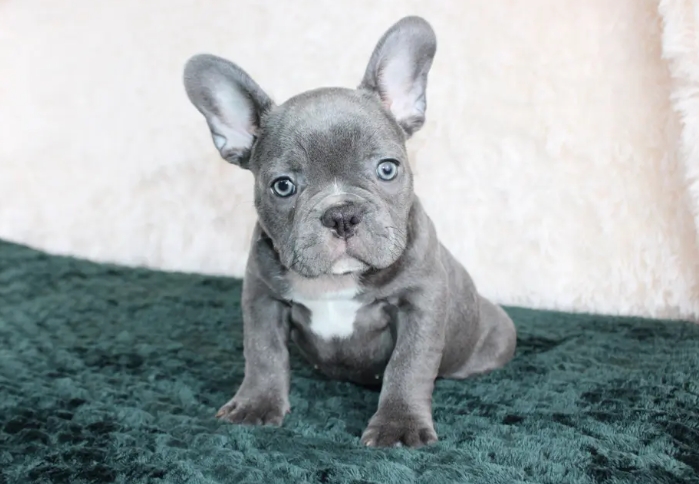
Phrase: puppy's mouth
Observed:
(348, 258)
(348, 265)
(341, 261)
(315, 255)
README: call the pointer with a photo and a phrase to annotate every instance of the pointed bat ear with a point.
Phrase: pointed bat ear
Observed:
(398, 70)
(232, 103)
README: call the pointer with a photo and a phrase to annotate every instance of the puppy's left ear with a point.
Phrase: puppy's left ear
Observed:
(398, 70)
(232, 103)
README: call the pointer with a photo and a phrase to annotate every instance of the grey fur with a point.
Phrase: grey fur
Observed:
(418, 313)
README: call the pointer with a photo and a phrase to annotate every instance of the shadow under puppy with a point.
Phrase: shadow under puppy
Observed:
(344, 260)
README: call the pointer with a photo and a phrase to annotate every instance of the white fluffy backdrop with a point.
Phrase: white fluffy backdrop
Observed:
(559, 161)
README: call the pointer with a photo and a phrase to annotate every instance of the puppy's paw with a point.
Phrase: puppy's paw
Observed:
(254, 410)
(388, 429)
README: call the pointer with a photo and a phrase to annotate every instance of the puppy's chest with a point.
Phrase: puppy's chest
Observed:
(332, 309)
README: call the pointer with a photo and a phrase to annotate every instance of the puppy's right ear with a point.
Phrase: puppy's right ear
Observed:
(232, 103)
(398, 68)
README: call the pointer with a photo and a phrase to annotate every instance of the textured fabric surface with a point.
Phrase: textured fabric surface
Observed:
(110, 374)
(550, 160)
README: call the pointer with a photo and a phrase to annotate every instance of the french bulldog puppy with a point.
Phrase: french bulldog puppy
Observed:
(344, 260)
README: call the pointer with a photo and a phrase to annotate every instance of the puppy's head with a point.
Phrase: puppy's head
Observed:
(333, 186)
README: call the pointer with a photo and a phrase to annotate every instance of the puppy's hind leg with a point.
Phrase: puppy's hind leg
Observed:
(497, 342)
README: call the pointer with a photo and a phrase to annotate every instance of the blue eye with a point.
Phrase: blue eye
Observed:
(387, 170)
(283, 187)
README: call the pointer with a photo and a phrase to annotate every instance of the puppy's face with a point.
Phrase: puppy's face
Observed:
(333, 186)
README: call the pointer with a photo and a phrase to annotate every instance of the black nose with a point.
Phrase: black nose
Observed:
(342, 219)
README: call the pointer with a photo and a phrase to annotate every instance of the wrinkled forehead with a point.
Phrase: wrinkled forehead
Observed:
(327, 130)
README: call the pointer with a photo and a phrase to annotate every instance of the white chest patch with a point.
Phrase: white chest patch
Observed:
(330, 299)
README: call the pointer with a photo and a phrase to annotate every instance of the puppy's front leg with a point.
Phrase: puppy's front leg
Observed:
(263, 397)
(404, 415)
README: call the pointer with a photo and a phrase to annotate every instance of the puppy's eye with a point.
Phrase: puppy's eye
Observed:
(387, 170)
(283, 187)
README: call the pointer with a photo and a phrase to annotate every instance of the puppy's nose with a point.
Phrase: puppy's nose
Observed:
(342, 219)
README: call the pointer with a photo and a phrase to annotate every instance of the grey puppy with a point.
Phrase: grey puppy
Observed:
(344, 260)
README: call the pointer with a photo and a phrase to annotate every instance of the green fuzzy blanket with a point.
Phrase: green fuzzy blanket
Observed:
(109, 374)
